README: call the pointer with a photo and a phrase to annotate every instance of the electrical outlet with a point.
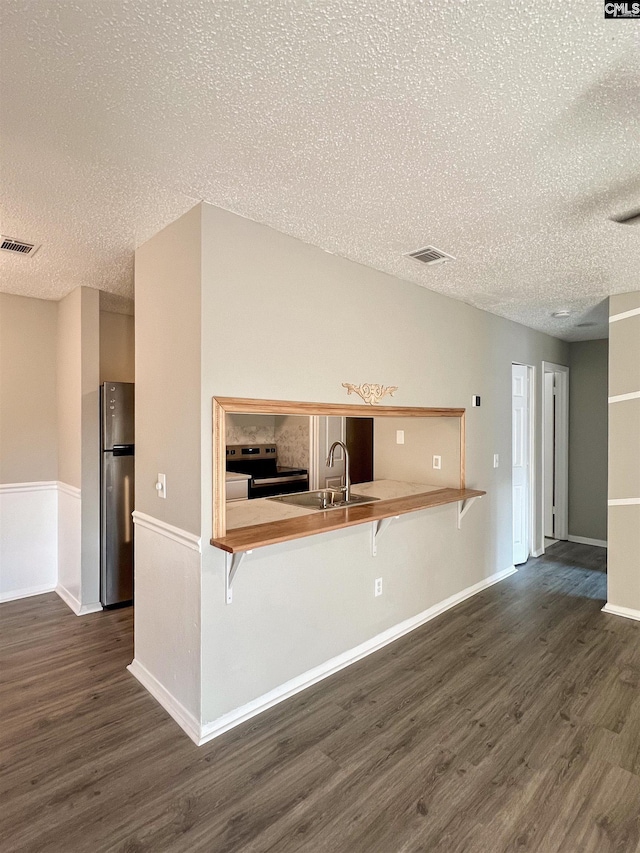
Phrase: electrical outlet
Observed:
(161, 486)
(377, 589)
(437, 462)
(496, 460)
(399, 436)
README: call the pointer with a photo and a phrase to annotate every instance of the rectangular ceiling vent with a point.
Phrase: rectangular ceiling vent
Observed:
(430, 255)
(18, 247)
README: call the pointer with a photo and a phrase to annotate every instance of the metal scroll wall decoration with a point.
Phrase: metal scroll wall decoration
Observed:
(371, 394)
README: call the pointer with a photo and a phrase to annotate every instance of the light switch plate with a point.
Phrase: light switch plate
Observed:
(496, 460)
(399, 436)
(437, 462)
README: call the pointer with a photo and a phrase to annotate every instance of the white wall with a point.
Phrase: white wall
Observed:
(28, 446)
(301, 606)
(78, 358)
(297, 606)
(90, 432)
(69, 389)
(412, 461)
(28, 539)
(117, 347)
(49, 445)
(168, 373)
(623, 557)
(167, 533)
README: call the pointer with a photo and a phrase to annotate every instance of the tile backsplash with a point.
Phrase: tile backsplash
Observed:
(292, 438)
(289, 432)
(251, 429)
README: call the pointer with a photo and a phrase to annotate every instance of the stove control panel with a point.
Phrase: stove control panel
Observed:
(251, 451)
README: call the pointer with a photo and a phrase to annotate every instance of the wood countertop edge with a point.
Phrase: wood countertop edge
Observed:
(288, 529)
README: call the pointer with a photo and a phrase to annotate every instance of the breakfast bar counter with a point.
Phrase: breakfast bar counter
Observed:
(300, 522)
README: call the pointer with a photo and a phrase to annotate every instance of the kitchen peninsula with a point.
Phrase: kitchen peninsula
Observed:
(298, 522)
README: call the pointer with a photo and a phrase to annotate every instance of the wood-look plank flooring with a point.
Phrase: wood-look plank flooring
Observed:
(511, 723)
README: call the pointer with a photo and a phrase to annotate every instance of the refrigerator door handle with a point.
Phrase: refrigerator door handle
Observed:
(123, 449)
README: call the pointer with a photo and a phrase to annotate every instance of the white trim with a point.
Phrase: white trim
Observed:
(312, 676)
(583, 540)
(183, 537)
(619, 398)
(313, 451)
(175, 709)
(73, 491)
(621, 611)
(95, 607)
(538, 552)
(15, 594)
(561, 524)
(624, 315)
(531, 477)
(12, 488)
(72, 602)
(623, 501)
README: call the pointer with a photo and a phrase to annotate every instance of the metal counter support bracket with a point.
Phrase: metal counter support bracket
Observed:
(464, 507)
(378, 528)
(232, 563)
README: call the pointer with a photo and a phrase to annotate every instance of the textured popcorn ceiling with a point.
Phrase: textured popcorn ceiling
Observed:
(504, 133)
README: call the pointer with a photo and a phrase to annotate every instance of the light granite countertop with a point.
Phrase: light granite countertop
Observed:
(261, 511)
(265, 511)
(388, 489)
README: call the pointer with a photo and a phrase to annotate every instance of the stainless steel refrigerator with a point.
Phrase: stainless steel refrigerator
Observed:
(116, 493)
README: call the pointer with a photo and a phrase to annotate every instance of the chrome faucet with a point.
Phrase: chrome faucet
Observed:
(346, 489)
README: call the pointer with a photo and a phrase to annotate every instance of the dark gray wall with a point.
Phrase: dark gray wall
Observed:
(588, 390)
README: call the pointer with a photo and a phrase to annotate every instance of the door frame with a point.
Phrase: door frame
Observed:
(561, 489)
(531, 450)
(314, 448)
(314, 439)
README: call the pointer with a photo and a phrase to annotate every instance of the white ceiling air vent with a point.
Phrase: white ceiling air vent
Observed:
(430, 255)
(18, 247)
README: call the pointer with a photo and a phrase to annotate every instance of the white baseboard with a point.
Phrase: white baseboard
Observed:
(307, 679)
(69, 599)
(583, 540)
(622, 611)
(72, 602)
(94, 607)
(538, 553)
(175, 709)
(15, 594)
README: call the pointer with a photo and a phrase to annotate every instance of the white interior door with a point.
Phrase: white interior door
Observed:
(328, 430)
(520, 461)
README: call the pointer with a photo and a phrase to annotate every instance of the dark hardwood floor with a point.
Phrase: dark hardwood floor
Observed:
(511, 723)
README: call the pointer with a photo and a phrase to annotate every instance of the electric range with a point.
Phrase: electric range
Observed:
(268, 478)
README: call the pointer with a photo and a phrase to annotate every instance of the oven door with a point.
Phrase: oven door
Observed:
(266, 487)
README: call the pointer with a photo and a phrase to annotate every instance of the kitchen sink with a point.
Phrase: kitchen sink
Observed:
(322, 499)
